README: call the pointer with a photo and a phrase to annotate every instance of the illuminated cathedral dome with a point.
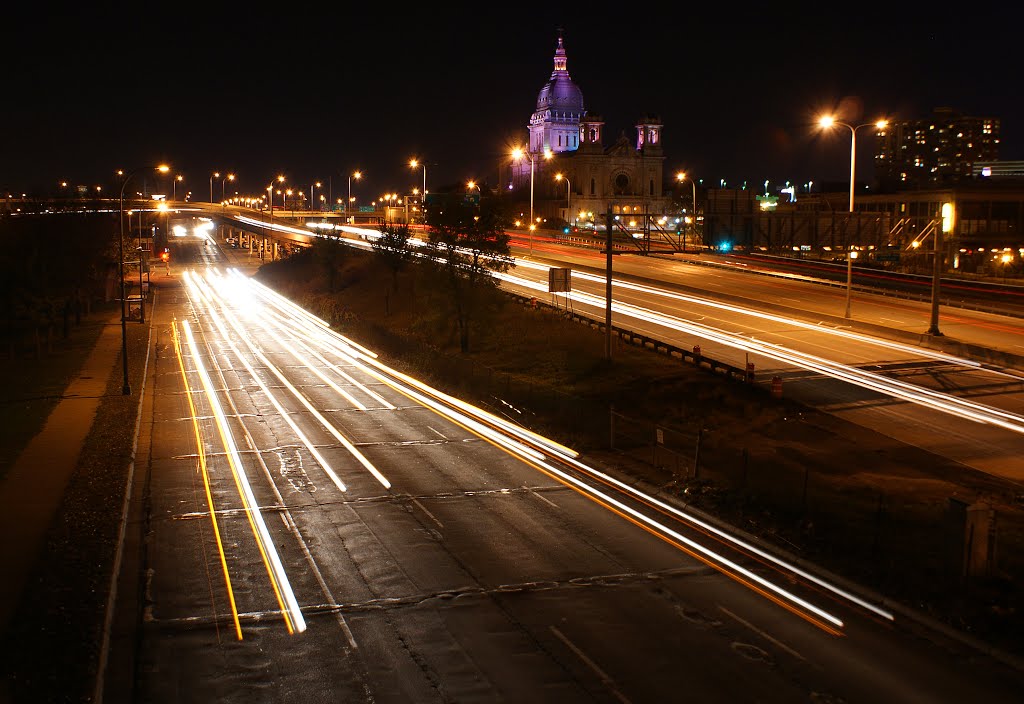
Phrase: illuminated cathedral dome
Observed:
(555, 124)
(560, 93)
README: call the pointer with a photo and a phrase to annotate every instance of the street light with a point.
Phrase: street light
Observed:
(568, 196)
(826, 122)
(518, 154)
(354, 175)
(215, 174)
(229, 177)
(413, 163)
(681, 176)
(270, 188)
(317, 185)
(174, 186)
(944, 228)
(479, 193)
(126, 388)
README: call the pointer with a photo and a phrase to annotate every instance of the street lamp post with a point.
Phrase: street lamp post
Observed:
(215, 174)
(354, 175)
(311, 187)
(945, 227)
(681, 176)
(568, 197)
(229, 177)
(826, 122)
(270, 189)
(518, 154)
(126, 388)
(479, 193)
(413, 163)
(174, 186)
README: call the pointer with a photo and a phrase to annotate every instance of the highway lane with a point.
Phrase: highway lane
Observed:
(735, 279)
(484, 567)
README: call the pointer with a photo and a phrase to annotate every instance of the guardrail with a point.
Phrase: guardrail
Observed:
(693, 356)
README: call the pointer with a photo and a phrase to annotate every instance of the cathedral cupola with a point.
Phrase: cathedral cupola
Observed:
(554, 125)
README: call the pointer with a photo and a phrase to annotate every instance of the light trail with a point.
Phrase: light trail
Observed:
(197, 285)
(201, 451)
(935, 400)
(289, 607)
(534, 449)
(345, 442)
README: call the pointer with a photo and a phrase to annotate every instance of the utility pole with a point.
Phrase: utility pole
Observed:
(608, 287)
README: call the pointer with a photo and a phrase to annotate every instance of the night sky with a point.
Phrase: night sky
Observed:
(317, 92)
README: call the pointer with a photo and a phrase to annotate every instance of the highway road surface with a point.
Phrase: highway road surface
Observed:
(310, 525)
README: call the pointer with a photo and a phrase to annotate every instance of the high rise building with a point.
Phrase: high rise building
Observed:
(936, 151)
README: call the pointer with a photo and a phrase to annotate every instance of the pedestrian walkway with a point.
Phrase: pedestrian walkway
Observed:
(32, 490)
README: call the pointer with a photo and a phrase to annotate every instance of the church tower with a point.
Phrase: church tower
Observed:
(591, 127)
(648, 136)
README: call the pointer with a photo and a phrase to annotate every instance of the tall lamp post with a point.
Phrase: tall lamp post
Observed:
(229, 177)
(311, 187)
(827, 122)
(270, 189)
(354, 175)
(479, 193)
(413, 163)
(945, 228)
(568, 196)
(681, 176)
(215, 174)
(517, 154)
(174, 186)
(126, 388)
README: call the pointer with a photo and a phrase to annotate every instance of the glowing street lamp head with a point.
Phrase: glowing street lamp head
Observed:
(517, 154)
(882, 124)
(413, 163)
(357, 175)
(559, 177)
(826, 121)
(681, 176)
(163, 168)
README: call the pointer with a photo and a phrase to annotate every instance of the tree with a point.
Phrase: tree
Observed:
(468, 245)
(393, 247)
(329, 254)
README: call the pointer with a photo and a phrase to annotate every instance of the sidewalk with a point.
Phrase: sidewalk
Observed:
(32, 491)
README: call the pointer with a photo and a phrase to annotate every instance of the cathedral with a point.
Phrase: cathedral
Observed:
(576, 178)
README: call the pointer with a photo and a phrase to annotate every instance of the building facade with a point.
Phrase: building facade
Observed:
(985, 221)
(568, 142)
(934, 152)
